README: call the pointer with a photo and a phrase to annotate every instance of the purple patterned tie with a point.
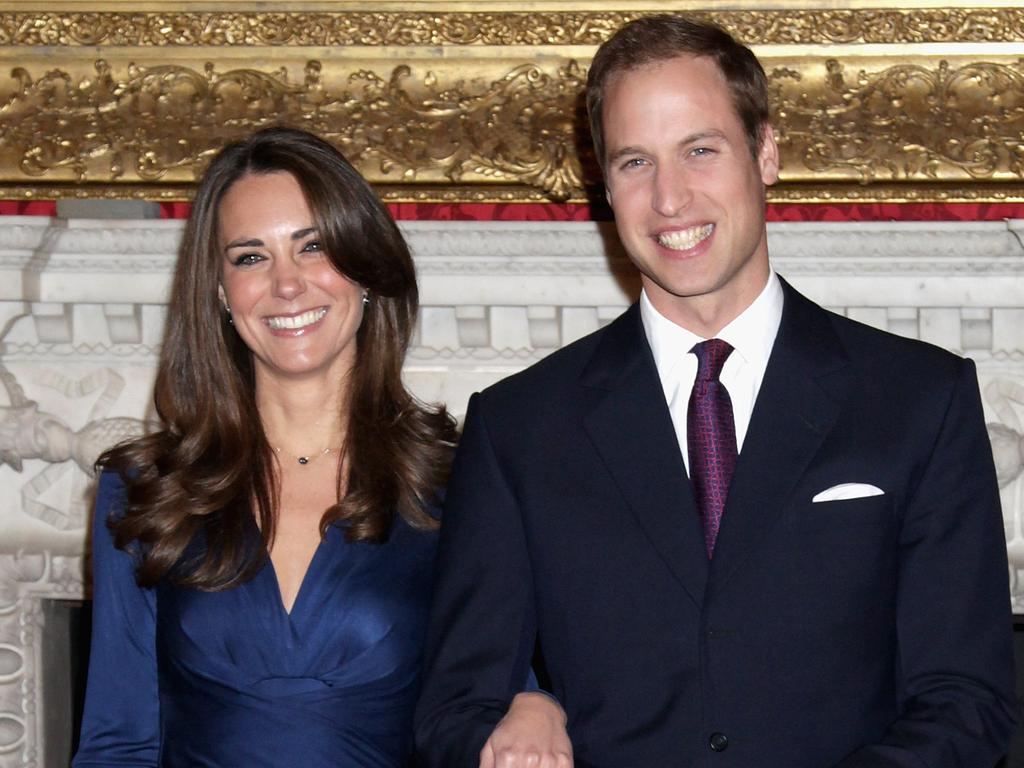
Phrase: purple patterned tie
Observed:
(710, 437)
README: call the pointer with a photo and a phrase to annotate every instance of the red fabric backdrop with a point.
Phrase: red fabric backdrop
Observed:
(575, 212)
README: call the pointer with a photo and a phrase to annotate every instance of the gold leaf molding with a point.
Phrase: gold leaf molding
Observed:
(912, 122)
(472, 105)
(147, 124)
(368, 28)
(154, 123)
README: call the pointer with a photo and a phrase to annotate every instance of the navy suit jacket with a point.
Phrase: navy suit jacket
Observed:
(866, 632)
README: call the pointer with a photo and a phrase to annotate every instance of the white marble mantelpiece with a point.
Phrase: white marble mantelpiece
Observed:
(82, 312)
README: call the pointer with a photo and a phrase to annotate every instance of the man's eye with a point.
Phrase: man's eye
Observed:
(633, 162)
(702, 151)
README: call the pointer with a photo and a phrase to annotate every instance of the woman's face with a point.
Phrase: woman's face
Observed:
(294, 311)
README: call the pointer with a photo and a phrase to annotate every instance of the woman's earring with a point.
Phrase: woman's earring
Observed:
(366, 299)
(228, 310)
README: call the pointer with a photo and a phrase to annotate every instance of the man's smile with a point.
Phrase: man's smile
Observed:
(685, 239)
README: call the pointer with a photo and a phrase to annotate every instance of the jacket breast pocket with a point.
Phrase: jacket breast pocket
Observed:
(841, 514)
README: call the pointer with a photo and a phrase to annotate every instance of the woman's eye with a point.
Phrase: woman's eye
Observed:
(312, 246)
(247, 259)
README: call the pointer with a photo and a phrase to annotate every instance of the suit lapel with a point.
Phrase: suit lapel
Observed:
(799, 401)
(632, 431)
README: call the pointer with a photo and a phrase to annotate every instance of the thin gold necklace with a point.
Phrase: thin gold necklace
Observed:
(304, 460)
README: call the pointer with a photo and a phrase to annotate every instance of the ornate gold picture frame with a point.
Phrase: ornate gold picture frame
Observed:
(449, 101)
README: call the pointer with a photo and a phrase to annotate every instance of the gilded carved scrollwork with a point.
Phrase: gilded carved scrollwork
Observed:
(453, 105)
(907, 121)
(376, 28)
(160, 122)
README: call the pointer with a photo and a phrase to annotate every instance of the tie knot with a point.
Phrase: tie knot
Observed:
(711, 356)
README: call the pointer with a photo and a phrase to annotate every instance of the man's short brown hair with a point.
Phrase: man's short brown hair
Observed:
(653, 39)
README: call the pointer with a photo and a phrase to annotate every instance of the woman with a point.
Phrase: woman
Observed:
(262, 564)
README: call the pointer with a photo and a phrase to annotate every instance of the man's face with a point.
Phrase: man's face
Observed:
(687, 195)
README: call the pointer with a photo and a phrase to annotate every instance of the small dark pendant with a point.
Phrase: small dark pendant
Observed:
(303, 459)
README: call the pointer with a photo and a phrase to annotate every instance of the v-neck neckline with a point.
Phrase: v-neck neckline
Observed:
(303, 585)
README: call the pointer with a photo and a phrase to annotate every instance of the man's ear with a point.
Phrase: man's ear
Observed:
(768, 156)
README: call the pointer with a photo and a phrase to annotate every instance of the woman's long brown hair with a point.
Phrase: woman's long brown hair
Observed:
(195, 488)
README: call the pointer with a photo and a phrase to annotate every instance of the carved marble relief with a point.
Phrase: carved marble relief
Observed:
(1005, 397)
(27, 433)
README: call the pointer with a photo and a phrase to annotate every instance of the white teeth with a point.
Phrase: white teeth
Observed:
(684, 240)
(296, 321)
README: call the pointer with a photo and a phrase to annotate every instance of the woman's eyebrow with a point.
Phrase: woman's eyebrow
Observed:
(251, 243)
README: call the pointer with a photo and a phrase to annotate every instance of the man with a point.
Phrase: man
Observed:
(780, 548)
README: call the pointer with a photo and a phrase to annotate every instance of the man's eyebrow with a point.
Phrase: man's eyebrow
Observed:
(711, 133)
(622, 152)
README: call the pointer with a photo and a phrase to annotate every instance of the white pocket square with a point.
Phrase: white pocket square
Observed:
(848, 491)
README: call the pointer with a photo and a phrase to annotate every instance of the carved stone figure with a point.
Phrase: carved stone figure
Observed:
(28, 433)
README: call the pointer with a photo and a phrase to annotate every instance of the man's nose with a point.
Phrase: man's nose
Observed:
(672, 191)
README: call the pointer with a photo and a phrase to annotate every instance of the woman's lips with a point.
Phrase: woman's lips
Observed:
(295, 322)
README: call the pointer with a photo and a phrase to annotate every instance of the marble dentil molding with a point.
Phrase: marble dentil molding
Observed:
(82, 313)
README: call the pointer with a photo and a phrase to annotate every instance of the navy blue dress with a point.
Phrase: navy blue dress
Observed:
(180, 677)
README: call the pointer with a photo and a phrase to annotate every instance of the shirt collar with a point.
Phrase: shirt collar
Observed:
(752, 333)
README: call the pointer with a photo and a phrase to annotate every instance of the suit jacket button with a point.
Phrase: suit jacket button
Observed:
(718, 741)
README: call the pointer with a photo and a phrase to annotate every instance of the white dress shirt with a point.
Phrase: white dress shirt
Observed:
(751, 336)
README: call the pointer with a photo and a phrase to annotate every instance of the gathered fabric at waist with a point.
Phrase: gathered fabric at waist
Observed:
(282, 721)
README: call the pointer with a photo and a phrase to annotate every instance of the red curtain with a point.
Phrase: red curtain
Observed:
(583, 212)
